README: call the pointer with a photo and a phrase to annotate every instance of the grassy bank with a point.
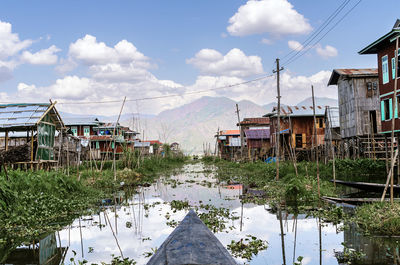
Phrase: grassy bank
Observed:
(34, 204)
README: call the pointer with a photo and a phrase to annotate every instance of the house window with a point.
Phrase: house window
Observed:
(86, 131)
(74, 130)
(385, 69)
(369, 89)
(321, 123)
(112, 145)
(393, 68)
(299, 140)
(386, 108)
(397, 107)
(97, 145)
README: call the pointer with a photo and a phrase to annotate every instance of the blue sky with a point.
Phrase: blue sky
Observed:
(166, 36)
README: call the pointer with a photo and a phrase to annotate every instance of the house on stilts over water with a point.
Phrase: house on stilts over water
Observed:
(385, 49)
(29, 130)
(359, 113)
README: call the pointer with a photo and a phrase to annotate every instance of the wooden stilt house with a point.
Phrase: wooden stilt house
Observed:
(36, 124)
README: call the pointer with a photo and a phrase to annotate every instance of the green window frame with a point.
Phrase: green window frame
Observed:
(74, 130)
(86, 131)
(393, 68)
(97, 145)
(382, 110)
(112, 145)
(385, 70)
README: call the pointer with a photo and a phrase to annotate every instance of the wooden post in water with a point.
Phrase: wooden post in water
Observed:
(315, 137)
(332, 146)
(240, 131)
(277, 134)
(282, 235)
(115, 146)
(393, 120)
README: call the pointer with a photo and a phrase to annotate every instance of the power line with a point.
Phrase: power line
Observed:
(167, 96)
(323, 36)
(310, 38)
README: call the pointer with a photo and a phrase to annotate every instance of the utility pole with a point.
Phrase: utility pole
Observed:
(315, 139)
(277, 131)
(240, 130)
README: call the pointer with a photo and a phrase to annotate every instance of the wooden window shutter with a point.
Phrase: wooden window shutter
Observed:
(382, 110)
(303, 137)
(293, 140)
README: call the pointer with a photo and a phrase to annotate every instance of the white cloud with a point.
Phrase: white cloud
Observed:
(327, 52)
(295, 45)
(266, 41)
(10, 44)
(277, 17)
(46, 56)
(91, 52)
(234, 63)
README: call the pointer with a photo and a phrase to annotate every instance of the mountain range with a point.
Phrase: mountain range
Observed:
(195, 124)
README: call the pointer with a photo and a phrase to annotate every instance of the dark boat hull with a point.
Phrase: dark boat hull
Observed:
(367, 186)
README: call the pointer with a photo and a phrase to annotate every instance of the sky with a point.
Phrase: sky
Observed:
(96, 51)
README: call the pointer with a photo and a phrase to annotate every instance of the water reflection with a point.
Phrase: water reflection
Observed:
(136, 223)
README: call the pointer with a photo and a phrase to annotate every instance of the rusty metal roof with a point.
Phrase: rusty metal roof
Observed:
(229, 132)
(255, 121)
(300, 111)
(336, 73)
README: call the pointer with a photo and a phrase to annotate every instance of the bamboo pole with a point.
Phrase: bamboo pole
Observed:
(332, 147)
(315, 137)
(115, 147)
(393, 120)
(389, 174)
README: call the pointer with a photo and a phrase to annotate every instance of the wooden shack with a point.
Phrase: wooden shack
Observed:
(228, 144)
(36, 125)
(358, 97)
(255, 134)
(297, 127)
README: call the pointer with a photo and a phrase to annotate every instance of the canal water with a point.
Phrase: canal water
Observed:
(142, 220)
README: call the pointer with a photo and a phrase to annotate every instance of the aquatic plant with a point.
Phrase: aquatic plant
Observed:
(379, 218)
(247, 247)
(348, 255)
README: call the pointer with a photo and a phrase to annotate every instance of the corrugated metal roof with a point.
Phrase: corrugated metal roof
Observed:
(332, 114)
(21, 115)
(297, 111)
(142, 144)
(336, 73)
(257, 121)
(81, 121)
(257, 134)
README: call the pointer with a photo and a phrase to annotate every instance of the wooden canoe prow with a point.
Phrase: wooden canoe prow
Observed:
(191, 243)
(378, 187)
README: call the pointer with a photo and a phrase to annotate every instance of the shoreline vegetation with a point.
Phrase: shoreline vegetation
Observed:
(36, 203)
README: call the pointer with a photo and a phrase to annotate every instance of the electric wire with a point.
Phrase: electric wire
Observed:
(320, 28)
(168, 96)
(304, 51)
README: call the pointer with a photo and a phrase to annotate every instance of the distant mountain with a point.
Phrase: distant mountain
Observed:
(104, 118)
(196, 123)
(319, 102)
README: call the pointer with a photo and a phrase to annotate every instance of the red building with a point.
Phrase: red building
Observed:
(384, 47)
